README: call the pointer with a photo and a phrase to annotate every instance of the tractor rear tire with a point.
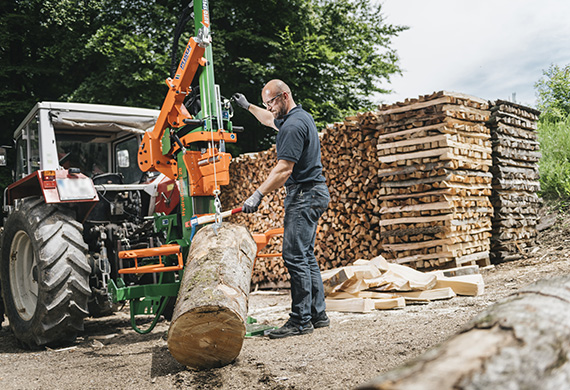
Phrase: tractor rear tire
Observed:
(45, 273)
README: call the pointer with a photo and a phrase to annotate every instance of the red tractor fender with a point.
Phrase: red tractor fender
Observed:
(59, 186)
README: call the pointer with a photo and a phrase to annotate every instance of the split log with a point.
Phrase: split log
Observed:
(208, 324)
(522, 342)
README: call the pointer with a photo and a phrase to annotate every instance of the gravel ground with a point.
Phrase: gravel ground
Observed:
(353, 350)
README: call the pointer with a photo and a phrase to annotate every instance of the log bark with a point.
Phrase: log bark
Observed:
(208, 324)
(522, 342)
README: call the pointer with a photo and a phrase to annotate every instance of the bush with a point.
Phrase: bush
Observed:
(554, 166)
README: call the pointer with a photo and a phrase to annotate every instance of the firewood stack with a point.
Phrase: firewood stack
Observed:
(515, 179)
(435, 154)
(349, 228)
(411, 182)
(247, 172)
(350, 225)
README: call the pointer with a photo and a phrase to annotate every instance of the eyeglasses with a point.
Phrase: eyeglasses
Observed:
(271, 101)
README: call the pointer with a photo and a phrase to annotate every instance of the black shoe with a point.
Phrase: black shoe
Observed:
(321, 322)
(291, 329)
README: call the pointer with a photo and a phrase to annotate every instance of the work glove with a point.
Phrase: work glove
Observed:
(252, 203)
(241, 101)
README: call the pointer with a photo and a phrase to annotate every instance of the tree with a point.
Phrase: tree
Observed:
(335, 54)
(553, 92)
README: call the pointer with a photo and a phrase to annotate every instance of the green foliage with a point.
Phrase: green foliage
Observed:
(334, 54)
(126, 57)
(554, 166)
(553, 91)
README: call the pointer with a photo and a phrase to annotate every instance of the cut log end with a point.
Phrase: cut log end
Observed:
(207, 337)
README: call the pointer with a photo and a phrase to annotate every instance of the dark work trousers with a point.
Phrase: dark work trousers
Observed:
(304, 205)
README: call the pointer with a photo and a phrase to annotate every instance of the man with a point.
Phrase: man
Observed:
(299, 168)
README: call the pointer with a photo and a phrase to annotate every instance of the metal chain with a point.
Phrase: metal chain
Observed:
(218, 214)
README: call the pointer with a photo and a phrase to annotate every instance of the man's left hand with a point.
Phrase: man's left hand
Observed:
(252, 203)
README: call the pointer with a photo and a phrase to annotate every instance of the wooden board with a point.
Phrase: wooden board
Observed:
(428, 295)
(353, 305)
(471, 285)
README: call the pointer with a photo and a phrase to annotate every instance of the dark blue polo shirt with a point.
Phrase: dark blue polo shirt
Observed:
(298, 141)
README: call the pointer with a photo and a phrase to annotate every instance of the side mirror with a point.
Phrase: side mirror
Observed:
(3, 161)
(123, 158)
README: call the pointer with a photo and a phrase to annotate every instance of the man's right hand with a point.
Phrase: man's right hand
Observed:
(252, 203)
(241, 101)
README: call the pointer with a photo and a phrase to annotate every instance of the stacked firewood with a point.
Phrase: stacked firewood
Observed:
(348, 229)
(435, 153)
(515, 179)
(350, 225)
(247, 172)
(411, 182)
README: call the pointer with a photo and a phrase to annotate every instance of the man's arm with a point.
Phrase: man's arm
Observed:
(277, 177)
(262, 115)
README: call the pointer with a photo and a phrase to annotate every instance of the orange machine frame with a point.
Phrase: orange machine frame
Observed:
(206, 171)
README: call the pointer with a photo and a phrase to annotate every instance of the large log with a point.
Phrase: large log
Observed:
(208, 324)
(522, 342)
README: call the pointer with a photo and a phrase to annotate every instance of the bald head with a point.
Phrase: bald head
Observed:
(274, 87)
(276, 95)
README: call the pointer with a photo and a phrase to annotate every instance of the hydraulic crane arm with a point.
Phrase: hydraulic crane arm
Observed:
(176, 129)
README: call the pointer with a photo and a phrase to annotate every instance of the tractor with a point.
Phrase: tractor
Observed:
(105, 200)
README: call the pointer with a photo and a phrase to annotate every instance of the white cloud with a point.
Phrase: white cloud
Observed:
(490, 49)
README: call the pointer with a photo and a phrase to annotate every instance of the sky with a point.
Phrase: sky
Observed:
(488, 49)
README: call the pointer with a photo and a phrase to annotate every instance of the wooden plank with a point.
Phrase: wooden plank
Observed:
(353, 305)
(415, 194)
(387, 304)
(353, 285)
(432, 218)
(417, 207)
(428, 295)
(415, 155)
(415, 106)
(416, 245)
(413, 141)
(471, 285)
(334, 277)
(410, 132)
(361, 294)
(457, 271)
(402, 278)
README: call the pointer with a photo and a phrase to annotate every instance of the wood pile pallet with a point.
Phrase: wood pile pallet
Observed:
(435, 154)
(376, 284)
(515, 179)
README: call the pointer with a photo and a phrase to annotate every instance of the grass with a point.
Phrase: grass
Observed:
(554, 166)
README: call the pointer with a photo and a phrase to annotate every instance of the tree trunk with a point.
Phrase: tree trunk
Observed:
(522, 342)
(208, 324)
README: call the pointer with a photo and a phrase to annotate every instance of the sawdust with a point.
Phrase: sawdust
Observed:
(356, 348)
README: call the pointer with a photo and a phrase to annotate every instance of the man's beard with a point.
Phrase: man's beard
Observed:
(281, 112)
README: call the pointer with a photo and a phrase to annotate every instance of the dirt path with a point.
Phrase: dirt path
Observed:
(356, 348)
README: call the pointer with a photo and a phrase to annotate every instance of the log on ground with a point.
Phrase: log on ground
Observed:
(208, 324)
(521, 342)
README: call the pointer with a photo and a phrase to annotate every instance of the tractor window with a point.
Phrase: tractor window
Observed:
(21, 158)
(126, 160)
(91, 158)
(33, 139)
